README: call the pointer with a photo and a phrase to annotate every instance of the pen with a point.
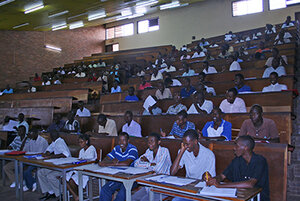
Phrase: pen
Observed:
(78, 162)
(206, 176)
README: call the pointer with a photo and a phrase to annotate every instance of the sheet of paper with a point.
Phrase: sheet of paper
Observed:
(107, 170)
(3, 151)
(201, 184)
(61, 161)
(132, 170)
(149, 102)
(171, 180)
(90, 167)
(214, 191)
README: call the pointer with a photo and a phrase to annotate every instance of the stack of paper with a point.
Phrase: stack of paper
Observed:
(61, 161)
(171, 180)
(214, 191)
(149, 102)
(132, 170)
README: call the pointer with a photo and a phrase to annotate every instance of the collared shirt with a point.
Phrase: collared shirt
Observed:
(159, 76)
(270, 60)
(24, 123)
(134, 129)
(284, 25)
(162, 161)
(155, 111)
(116, 90)
(166, 94)
(190, 73)
(280, 70)
(110, 128)
(131, 98)
(210, 70)
(39, 145)
(89, 154)
(131, 152)
(171, 69)
(59, 146)
(185, 94)
(72, 126)
(244, 88)
(206, 106)
(84, 113)
(17, 142)
(185, 57)
(195, 167)
(178, 131)
(267, 130)
(223, 130)
(197, 55)
(238, 106)
(275, 87)
(210, 90)
(174, 109)
(257, 168)
(56, 127)
(82, 74)
(176, 82)
(234, 66)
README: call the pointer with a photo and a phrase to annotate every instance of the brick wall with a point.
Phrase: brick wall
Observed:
(22, 53)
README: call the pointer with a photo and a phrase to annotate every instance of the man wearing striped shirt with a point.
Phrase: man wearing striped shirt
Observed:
(156, 158)
(123, 154)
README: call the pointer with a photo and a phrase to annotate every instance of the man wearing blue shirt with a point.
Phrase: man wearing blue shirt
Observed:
(239, 83)
(131, 97)
(188, 90)
(123, 154)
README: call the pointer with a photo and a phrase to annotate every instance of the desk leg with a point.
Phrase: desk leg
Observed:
(128, 186)
(21, 180)
(3, 173)
(151, 194)
(90, 183)
(17, 178)
(80, 188)
(64, 185)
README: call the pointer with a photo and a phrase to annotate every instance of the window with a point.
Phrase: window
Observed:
(115, 47)
(119, 31)
(277, 4)
(148, 25)
(245, 7)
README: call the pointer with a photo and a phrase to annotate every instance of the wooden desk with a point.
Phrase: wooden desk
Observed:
(126, 179)
(190, 191)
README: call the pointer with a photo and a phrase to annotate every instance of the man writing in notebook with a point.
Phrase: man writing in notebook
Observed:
(123, 154)
(196, 159)
(247, 169)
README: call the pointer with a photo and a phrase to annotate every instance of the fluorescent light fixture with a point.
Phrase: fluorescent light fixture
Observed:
(146, 3)
(136, 15)
(20, 25)
(2, 3)
(58, 14)
(174, 4)
(98, 15)
(61, 25)
(51, 47)
(126, 12)
(140, 9)
(34, 7)
(76, 25)
(75, 16)
(121, 18)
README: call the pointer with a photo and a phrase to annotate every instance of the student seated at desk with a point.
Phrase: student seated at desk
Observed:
(280, 70)
(153, 110)
(156, 75)
(106, 126)
(180, 126)
(48, 178)
(162, 92)
(258, 127)
(169, 68)
(232, 103)
(57, 124)
(207, 69)
(82, 111)
(194, 157)
(46, 81)
(188, 71)
(156, 158)
(36, 78)
(270, 29)
(246, 170)
(87, 152)
(234, 65)
(184, 56)
(144, 84)
(101, 63)
(276, 55)
(174, 82)
(188, 90)
(177, 107)
(131, 97)
(22, 122)
(274, 86)
(36, 144)
(200, 105)
(131, 127)
(218, 128)
(80, 73)
(56, 79)
(199, 53)
(239, 83)
(71, 125)
(288, 23)
(140, 72)
(209, 90)
(115, 88)
(17, 145)
(283, 37)
(124, 154)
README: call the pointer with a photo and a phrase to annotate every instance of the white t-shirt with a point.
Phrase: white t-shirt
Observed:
(238, 106)
(171, 69)
(275, 87)
(159, 76)
(197, 55)
(291, 24)
(59, 147)
(280, 70)
(207, 106)
(210, 70)
(210, 90)
(196, 166)
(84, 113)
(134, 129)
(234, 66)
(176, 83)
(39, 145)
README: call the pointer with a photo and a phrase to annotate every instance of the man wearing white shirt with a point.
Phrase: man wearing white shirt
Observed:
(131, 127)
(199, 53)
(275, 54)
(48, 178)
(275, 86)
(234, 65)
(156, 75)
(169, 67)
(82, 111)
(208, 69)
(22, 122)
(233, 104)
(280, 70)
(185, 56)
(200, 105)
(107, 126)
(287, 23)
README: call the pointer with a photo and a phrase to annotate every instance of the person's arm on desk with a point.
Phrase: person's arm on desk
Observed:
(175, 166)
(215, 181)
(107, 161)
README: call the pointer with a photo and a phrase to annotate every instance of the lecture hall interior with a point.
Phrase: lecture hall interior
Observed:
(150, 100)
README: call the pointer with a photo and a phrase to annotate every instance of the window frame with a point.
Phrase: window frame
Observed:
(287, 5)
(232, 2)
(137, 25)
(114, 27)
